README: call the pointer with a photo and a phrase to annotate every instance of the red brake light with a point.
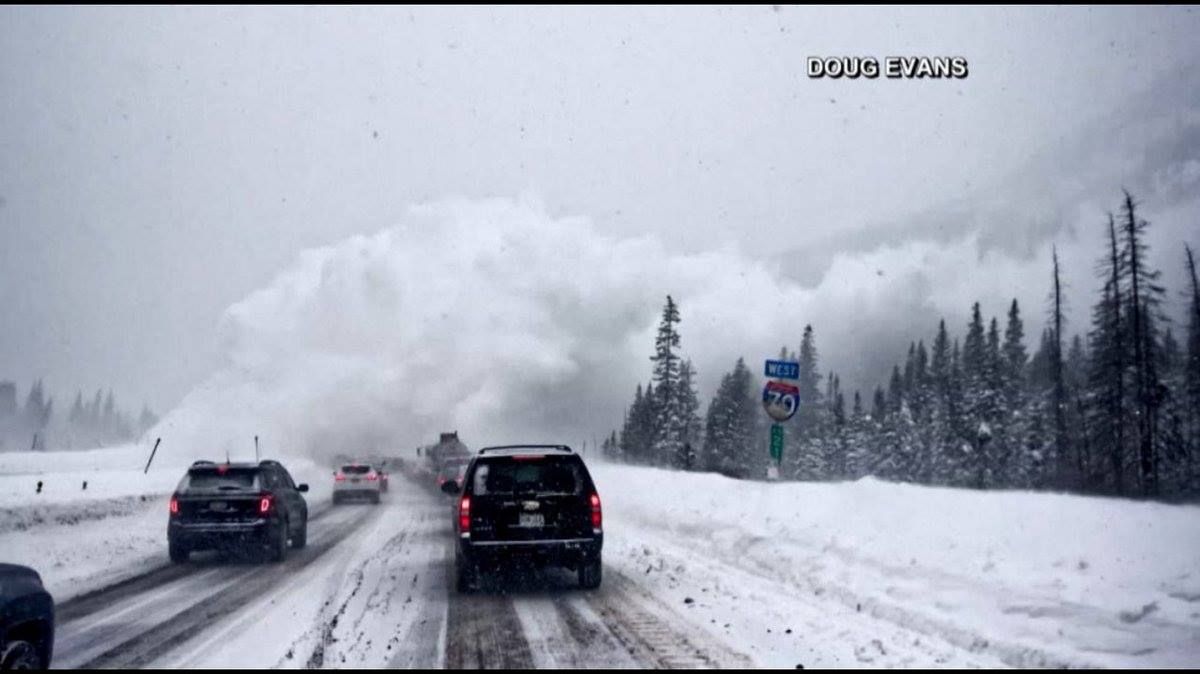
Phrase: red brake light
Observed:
(597, 515)
(464, 515)
(264, 504)
(371, 477)
(339, 477)
(174, 505)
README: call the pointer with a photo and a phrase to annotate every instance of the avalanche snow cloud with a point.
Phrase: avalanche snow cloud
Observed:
(490, 317)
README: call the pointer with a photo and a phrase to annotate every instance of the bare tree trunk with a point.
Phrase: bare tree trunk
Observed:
(1148, 470)
(1061, 441)
(1191, 377)
(1118, 405)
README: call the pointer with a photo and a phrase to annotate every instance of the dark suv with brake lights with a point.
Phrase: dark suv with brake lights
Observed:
(231, 506)
(526, 504)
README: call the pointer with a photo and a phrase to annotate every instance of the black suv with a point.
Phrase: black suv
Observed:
(526, 504)
(26, 619)
(230, 506)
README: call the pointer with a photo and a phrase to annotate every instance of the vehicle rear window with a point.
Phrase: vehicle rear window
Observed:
(210, 479)
(356, 470)
(528, 476)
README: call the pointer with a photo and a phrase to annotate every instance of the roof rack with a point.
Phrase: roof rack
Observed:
(502, 448)
(204, 462)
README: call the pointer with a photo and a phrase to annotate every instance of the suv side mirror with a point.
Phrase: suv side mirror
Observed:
(302, 488)
(450, 487)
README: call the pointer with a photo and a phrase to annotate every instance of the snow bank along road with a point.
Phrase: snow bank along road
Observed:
(700, 571)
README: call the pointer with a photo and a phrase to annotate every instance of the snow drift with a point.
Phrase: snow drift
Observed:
(1025, 579)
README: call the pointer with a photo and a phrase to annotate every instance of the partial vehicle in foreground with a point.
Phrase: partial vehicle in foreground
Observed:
(26, 619)
(357, 481)
(526, 505)
(235, 507)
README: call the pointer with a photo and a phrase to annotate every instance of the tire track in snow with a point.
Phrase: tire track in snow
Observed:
(102, 598)
(175, 612)
(485, 633)
(650, 630)
(544, 620)
(390, 609)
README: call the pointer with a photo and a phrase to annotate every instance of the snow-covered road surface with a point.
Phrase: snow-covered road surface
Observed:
(700, 571)
(372, 589)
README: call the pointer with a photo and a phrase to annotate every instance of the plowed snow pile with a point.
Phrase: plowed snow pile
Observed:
(1028, 579)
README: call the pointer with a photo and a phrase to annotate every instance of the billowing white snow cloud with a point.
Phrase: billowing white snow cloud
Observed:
(489, 317)
(506, 323)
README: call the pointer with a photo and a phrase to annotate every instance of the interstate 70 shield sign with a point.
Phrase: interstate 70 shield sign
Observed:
(780, 400)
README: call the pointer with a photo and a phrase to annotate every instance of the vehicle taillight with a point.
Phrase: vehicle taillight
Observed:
(464, 515)
(597, 516)
(371, 477)
(264, 504)
(339, 477)
(174, 505)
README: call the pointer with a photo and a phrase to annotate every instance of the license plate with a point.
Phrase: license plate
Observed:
(218, 505)
(531, 520)
(354, 480)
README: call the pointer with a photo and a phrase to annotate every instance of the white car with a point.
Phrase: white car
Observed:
(357, 480)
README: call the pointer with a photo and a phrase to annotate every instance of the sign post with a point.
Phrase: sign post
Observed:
(780, 400)
(152, 452)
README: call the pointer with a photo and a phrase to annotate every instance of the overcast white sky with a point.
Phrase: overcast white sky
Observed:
(159, 164)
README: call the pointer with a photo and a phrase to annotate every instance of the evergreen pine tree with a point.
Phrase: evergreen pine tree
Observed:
(1107, 396)
(975, 371)
(1191, 377)
(108, 420)
(1012, 390)
(632, 440)
(669, 423)
(36, 415)
(808, 423)
(731, 427)
(1144, 298)
(941, 417)
(689, 406)
(859, 441)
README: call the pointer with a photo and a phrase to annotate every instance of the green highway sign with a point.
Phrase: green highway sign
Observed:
(777, 442)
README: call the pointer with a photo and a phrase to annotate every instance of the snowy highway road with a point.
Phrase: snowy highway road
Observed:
(372, 589)
(699, 571)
